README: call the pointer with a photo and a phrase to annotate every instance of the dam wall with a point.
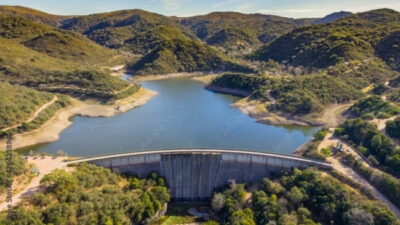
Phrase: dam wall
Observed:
(194, 174)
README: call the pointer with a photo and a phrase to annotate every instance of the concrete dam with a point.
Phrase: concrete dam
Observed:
(193, 174)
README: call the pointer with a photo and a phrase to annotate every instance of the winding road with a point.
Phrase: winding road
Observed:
(36, 114)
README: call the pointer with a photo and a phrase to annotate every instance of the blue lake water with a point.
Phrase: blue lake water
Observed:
(183, 115)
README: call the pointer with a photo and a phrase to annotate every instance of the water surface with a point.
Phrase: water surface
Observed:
(183, 115)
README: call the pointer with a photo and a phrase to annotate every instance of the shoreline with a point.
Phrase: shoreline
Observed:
(258, 111)
(331, 116)
(141, 78)
(51, 130)
(230, 91)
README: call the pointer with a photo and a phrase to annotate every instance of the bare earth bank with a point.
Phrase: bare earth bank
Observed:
(51, 130)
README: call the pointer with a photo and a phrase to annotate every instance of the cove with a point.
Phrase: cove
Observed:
(183, 115)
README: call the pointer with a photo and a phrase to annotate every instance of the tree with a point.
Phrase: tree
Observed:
(61, 153)
(394, 164)
(240, 217)
(26, 217)
(393, 128)
(358, 216)
(320, 135)
(296, 196)
(217, 202)
(58, 181)
(326, 152)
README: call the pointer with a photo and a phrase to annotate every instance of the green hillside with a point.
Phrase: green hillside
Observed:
(389, 50)
(57, 43)
(234, 38)
(353, 37)
(46, 58)
(220, 28)
(114, 28)
(298, 95)
(183, 55)
(18, 103)
(20, 60)
(147, 41)
(33, 15)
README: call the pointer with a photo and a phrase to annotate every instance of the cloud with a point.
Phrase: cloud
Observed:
(172, 5)
(224, 3)
(244, 7)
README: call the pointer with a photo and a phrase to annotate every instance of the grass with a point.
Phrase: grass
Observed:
(176, 214)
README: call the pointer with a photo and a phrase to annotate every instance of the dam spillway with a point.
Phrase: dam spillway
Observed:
(193, 174)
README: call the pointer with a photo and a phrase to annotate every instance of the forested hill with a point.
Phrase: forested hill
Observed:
(184, 55)
(229, 29)
(114, 28)
(57, 60)
(57, 43)
(34, 15)
(353, 37)
(332, 17)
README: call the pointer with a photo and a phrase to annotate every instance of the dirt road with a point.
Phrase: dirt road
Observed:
(330, 140)
(36, 114)
(45, 166)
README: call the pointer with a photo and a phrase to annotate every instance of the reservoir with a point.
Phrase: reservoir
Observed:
(182, 115)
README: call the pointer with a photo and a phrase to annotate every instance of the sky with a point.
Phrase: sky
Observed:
(287, 8)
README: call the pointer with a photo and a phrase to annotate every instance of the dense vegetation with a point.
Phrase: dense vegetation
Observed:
(299, 94)
(18, 103)
(302, 197)
(56, 43)
(389, 50)
(353, 37)
(393, 129)
(232, 29)
(309, 94)
(375, 107)
(19, 167)
(42, 57)
(332, 17)
(393, 94)
(384, 182)
(148, 40)
(379, 149)
(34, 15)
(40, 119)
(239, 81)
(184, 55)
(93, 195)
(234, 39)
(113, 29)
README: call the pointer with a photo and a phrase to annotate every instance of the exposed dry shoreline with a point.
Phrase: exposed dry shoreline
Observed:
(140, 78)
(257, 109)
(51, 130)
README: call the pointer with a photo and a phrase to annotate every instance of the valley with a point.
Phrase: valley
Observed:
(138, 82)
